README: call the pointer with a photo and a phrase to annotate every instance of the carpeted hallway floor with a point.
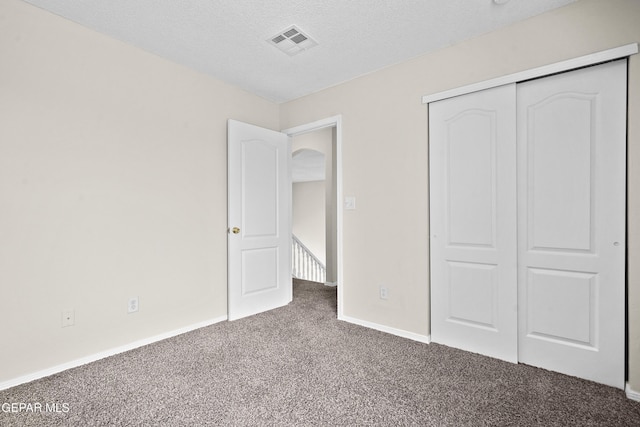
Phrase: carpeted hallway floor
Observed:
(299, 366)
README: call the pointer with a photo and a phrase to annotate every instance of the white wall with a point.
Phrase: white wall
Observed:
(385, 153)
(309, 216)
(112, 185)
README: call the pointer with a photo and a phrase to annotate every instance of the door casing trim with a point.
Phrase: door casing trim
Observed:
(331, 122)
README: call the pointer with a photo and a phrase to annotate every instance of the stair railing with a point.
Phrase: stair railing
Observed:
(304, 264)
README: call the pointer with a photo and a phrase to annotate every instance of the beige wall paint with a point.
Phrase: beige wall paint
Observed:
(112, 185)
(385, 153)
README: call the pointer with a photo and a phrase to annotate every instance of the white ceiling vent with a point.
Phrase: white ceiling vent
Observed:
(292, 41)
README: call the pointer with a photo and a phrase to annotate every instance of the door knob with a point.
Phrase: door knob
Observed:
(235, 230)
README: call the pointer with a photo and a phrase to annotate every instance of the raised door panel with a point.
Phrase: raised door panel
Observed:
(473, 292)
(259, 270)
(470, 180)
(260, 189)
(562, 307)
(560, 166)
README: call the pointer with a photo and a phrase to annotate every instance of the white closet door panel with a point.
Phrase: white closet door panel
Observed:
(472, 185)
(571, 221)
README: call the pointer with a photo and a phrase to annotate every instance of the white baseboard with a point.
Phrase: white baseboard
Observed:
(389, 330)
(97, 356)
(332, 284)
(631, 394)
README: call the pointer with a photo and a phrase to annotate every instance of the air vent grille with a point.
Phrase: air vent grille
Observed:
(292, 41)
(298, 38)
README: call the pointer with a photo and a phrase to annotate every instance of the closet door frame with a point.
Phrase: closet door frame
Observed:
(563, 66)
(534, 73)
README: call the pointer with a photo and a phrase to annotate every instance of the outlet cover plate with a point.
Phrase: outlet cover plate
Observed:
(68, 318)
(133, 305)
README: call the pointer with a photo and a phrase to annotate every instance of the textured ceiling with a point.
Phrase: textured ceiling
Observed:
(227, 38)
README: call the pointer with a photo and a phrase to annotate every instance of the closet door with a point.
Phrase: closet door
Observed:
(571, 222)
(473, 222)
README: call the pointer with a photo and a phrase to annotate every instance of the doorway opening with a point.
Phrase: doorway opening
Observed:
(312, 198)
(317, 192)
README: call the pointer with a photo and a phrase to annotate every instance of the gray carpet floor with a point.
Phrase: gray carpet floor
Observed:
(299, 366)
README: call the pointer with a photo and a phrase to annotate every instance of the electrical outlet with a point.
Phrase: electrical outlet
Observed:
(132, 307)
(68, 318)
(384, 292)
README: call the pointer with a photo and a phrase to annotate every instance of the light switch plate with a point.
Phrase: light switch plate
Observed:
(350, 203)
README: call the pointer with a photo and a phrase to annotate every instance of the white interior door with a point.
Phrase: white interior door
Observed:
(259, 203)
(473, 222)
(571, 252)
